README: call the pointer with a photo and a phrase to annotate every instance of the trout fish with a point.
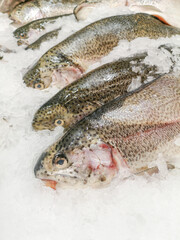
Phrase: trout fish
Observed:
(167, 11)
(26, 33)
(69, 59)
(96, 88)
(36, 9)
(126, 133)
(44, 38)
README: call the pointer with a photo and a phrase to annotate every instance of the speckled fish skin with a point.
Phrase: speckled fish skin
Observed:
(76, 53)
(96, 88)
(24, 33)
(36, 9)
(167, 11)
(45, 38)
(131, 132)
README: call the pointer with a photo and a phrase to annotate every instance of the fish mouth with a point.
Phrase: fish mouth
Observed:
(50, 183)
(51, 178)
(62, 180)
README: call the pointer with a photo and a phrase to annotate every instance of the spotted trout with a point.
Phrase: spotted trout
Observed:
(44, 38)
(126, 133)
(69, 59)
(96, 88)
(36, 9)
(29, 32)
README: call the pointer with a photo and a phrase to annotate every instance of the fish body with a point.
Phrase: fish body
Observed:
(93, 90)
(25, 33)
(44, 38)
(127, 133)
(69, 59)
(36, 9)
(167, 11)
(83, 10)
(7, 5)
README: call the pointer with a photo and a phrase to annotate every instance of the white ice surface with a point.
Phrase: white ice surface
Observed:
(134, 209)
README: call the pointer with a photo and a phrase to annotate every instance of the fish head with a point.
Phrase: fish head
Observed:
(21, 35)
(26, 12)
(38, 76)
(52, 115)
(94, 166)
(52, 68)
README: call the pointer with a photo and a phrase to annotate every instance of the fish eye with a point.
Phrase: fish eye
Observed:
(60, 161)
(39, 86)
(59, 122)
(19, 42)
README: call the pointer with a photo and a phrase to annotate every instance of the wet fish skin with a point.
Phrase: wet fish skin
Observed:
(36, 9)
(75, 54)
(167, 11)
(82, 10)
(7, 5)
(46, 37)
(125, 133)
(24, 33)
(96, 88)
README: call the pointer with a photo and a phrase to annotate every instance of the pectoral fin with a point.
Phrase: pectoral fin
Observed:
(153, 170)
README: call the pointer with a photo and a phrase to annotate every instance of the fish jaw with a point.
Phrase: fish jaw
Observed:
(94, 166)
(66, 75)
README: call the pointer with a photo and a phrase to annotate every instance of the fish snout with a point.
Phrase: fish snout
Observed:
(39, 167)
(40, 125)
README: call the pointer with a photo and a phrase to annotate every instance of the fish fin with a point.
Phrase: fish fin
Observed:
(156, 12)
(91, 106)
(145, 8)
(153, 170)
(161, 19)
